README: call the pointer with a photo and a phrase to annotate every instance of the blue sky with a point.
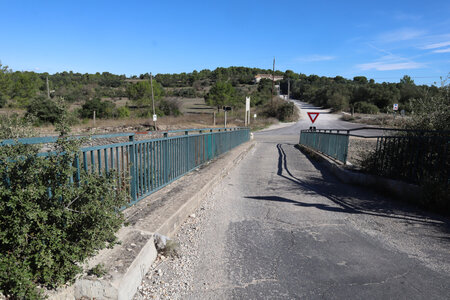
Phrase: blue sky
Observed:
(383, 40)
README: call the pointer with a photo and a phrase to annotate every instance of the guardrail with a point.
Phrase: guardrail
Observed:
(329, 143)
(145, 166)
(410, 155)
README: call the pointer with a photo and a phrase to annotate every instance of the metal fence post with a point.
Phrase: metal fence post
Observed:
(132, 169)
(346, 146)
(166, 158)
(187, 150)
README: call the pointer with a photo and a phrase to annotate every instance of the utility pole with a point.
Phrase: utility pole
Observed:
(273, 80)
(153, 100)
(289, 89)
(48, 89)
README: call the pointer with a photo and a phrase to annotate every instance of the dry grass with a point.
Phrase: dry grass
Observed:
(196, 115)
(359, 149)
(383, 120)
(193, 105)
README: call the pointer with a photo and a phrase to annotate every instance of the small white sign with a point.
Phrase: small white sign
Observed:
(247, 103)
(155, 118)
(254, 116)
(395, 106)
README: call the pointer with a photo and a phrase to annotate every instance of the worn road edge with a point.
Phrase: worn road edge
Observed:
(173, 222)
(399, 189)
(123, 278)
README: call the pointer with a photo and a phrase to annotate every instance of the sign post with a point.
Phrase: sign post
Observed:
(247, 111)
(226, 109)
(395, 109)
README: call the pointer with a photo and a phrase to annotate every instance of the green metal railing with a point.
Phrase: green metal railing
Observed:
(332, 144)
(145, 166)
(414, 156)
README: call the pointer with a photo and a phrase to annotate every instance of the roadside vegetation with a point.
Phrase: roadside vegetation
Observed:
(358, 95)
(422, 152)
(115, 97)
(49, 223)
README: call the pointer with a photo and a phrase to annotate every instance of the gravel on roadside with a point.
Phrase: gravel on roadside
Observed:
(172, 277)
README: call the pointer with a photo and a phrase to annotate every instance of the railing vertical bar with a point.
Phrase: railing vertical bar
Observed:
(92, 161)
(99, 159)
(85, 162)
(106, 160)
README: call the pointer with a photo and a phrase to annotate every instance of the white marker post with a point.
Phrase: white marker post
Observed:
(247, 111)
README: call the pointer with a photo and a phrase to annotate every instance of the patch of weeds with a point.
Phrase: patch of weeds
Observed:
(99, 270)
(171, 249)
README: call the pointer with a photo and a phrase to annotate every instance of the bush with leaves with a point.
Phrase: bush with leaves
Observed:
(281, 110)
(45, 110)
(123, 112)
(169, 107)
(103, 109)
(50, 224)
(366, 108)
(432, 112)
(3, 100)
(420, 156)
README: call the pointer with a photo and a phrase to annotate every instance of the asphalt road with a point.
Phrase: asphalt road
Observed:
(325, 120)
(280, 226)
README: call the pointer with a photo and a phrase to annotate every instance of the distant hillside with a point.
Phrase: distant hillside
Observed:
(107, 92)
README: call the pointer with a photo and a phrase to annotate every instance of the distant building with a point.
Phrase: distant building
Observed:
(258, 77)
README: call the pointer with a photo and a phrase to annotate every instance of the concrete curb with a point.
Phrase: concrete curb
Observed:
(127, 263)
(399, 189)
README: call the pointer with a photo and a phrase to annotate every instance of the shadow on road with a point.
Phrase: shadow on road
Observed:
(350, 199)
(298, 203)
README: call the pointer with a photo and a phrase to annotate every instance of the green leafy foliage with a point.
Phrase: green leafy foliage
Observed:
(281, 110)
(169, 108)
(50, 224)
(339, 93)
(3, 100)
(428, 149)
(366, 108)
(432, 112)
(142, 92)
(103, 109)
(45, 110)
(123, 112)
(221, 93)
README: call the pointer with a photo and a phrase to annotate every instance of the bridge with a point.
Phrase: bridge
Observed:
(279, 225)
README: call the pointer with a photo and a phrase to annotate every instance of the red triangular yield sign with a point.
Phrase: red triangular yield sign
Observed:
(313, 116)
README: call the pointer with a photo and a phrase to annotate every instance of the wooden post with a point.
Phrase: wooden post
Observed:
(214, 118)
(94, 118)
(153, 99)
(48, 89)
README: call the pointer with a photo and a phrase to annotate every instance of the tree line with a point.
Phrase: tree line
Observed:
(222, 86)
(358, 94)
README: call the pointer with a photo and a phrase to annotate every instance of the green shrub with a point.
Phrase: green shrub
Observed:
(45, 110)
(280, 109)
(3, 100)
(123, 112)
(103, 109)
(169, 108)
(366, 108)
(49, 224)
